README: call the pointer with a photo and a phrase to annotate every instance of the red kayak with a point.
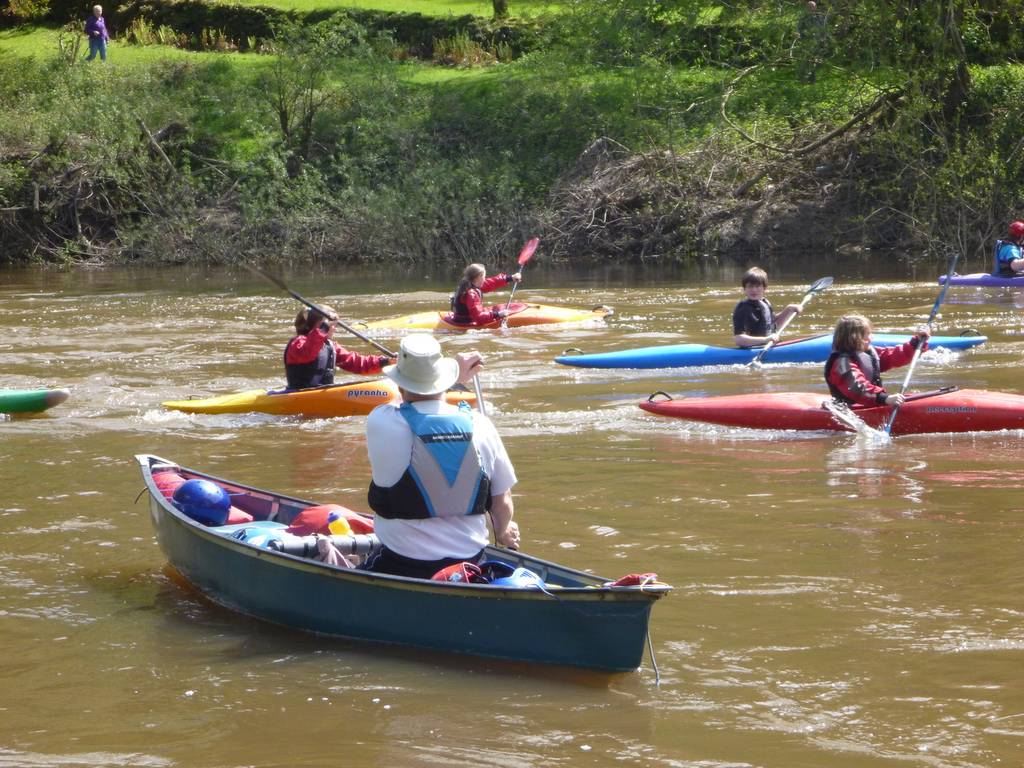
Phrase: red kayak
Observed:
(944, 410)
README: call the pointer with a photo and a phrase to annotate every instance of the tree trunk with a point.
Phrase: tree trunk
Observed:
(960, 83)
(500, 9)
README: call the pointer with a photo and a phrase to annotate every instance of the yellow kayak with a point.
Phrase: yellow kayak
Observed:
(520, 315)
(353, 399)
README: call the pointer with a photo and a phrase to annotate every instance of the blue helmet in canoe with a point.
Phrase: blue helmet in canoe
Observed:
(520, 578)
(204, 501)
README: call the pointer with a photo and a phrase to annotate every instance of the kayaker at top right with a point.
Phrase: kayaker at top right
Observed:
(753, 320)
(854, 369)
(467, 301)
(1010, 252)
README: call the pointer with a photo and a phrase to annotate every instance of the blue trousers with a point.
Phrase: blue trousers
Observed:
(97, 45)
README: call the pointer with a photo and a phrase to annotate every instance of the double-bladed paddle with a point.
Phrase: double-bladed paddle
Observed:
(917, 350)
(329, 315)
(819, 285)
(524, 256)
(282, 285)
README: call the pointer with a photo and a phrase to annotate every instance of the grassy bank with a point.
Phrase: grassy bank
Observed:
(610, 139)
(426, 7)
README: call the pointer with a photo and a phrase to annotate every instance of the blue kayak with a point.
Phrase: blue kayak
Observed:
(811, 349)
(983, 279)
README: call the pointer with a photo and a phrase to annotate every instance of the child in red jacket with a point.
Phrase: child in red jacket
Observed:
(467, 301)
(311, 357)
(854, 369)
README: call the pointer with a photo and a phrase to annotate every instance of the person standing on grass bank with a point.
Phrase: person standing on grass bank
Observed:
(854, 370)
(96, 31)
(467, 301)
(439, 470)
(811, 42)
(1010, 252)
(753, 321)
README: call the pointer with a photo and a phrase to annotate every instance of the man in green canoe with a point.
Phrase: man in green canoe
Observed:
(437, 468)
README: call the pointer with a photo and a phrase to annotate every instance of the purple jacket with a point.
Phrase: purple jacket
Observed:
(96, 28)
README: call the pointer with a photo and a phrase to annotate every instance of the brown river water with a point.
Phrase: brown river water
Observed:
(837, 602)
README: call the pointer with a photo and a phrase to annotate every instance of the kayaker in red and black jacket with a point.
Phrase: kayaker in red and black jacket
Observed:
(854, 369)
(467, 301)
(311, 357)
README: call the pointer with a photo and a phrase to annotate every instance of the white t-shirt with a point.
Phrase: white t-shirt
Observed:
(389, 445)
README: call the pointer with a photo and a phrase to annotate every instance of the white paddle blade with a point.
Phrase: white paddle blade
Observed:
(843, 415)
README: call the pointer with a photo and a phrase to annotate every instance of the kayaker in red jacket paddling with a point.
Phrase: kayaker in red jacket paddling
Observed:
(311, 357)
(854, 369)
(467, 301)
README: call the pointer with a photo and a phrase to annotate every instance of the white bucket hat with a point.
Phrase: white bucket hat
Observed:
(421, 368)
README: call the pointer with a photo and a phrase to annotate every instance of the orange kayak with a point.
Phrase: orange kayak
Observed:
(353, 399)
(520, 315)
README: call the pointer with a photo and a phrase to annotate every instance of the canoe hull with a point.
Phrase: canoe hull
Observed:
(964, 410)
(527, 315)
(352, 399)
(812, 349)
(584, 625)
(984, 279)
(31, 400)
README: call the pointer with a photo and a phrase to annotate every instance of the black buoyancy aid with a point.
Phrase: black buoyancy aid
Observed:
(460, 312)
(764, 316)
(868, 362)
(444, 477)
(316, 373)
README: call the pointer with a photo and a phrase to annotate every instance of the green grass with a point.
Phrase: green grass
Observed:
(425, 7)
(417, 73)
(41, 43)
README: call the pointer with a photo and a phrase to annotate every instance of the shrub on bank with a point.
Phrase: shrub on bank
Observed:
(330, 149)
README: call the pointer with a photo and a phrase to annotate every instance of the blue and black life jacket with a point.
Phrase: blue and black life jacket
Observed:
(316, 373)
(866, 361)
(1001, 267)
(444, 477)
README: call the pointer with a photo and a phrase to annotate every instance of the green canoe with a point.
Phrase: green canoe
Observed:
(30, 400)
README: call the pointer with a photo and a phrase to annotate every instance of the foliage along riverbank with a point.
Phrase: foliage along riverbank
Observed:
(628, 130)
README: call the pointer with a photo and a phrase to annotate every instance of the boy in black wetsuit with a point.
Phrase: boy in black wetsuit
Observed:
(754, 321)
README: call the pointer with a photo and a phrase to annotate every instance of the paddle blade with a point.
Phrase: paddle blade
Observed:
(843, 415)
(821, 284)
(528, 250)
(756, 362)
